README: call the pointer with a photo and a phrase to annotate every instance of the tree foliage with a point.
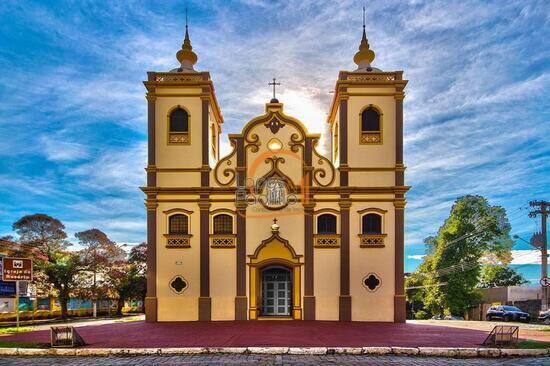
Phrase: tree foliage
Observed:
(42, 232)
(98, 255)
(450, 271)
(101, 269)
(127, 278)
(61, 271)
(500, 276)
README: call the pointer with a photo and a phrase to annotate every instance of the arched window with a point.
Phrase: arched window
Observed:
(372, 224)
(179, 121)
(326, 224)
(223, 224)
(371, 126)
(178, 225)
(370, 121)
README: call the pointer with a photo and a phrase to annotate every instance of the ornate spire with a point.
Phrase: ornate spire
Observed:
(186, 56)
(365, 55)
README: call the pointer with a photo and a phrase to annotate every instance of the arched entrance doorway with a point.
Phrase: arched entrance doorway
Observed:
(276, 267)
(276, 292)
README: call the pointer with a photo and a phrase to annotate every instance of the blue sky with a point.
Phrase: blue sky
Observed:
(73, 116)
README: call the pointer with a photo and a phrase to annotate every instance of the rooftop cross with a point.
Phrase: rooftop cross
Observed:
(274, 83)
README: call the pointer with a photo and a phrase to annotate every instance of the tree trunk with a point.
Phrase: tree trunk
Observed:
(64, 311)
(119, 306)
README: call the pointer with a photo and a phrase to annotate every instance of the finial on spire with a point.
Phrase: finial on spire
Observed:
(365, 55)
(186, 56)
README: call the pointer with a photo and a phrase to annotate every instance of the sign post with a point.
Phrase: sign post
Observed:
(17, 304)
(16, 269)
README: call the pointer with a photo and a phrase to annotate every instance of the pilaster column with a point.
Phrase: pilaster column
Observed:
(241, 300)
(345, 297)
(399, 303)
(399, 307)
(151, 314)
(204, 299)
(151, 297)
(309, 260)
(343, 110)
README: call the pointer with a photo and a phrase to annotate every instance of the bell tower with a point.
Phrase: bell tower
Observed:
(184, 124)
(366, 129)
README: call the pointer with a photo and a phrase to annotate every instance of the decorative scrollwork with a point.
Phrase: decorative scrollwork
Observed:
(252, 142)
(319, 173)
(296, 142)
(228, 172)
(274, 124)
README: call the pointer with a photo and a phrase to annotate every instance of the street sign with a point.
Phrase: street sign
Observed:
(16, 269)
(545, 282)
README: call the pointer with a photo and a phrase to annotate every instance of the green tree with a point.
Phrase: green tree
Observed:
(451, 269)
(499, 276)
(61, 271)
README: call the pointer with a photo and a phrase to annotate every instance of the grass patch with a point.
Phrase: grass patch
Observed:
(20, 345)
(10, 330)
(533, 345)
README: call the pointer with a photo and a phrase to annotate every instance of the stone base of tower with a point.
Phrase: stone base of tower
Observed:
(399, 309)
(151, 310)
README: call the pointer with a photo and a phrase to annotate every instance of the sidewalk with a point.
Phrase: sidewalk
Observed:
(75, 322)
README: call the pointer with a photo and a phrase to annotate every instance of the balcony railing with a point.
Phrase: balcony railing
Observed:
(326, 241)
(222, 240)
(374, 137)
(178, 138)
(372, 240)
(178, 240)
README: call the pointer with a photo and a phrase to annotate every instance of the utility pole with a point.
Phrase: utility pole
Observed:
(541, 208)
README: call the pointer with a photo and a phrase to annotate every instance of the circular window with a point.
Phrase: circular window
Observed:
(372, 282)
(178, 284)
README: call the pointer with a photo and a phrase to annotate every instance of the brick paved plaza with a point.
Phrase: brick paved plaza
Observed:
(221, 359)
(265, 333)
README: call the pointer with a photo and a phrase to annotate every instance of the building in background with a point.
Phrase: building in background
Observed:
(527, 298)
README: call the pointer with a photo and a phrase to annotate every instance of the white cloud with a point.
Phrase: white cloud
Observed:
(57, 150)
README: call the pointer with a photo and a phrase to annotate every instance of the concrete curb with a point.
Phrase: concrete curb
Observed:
(402, 351)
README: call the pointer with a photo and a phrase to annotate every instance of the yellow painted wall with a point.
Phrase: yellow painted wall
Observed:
(172, 262)
(378, 305)
(371, 155)
(178, 156)
(326, 283)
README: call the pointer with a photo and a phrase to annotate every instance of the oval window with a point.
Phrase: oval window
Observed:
(274, 145)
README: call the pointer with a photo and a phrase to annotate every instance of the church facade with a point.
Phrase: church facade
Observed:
(275, 229)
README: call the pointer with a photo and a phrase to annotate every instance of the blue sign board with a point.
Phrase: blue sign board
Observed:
(7, 288)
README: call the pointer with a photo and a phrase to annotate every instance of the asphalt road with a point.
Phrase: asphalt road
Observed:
(269, 360)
